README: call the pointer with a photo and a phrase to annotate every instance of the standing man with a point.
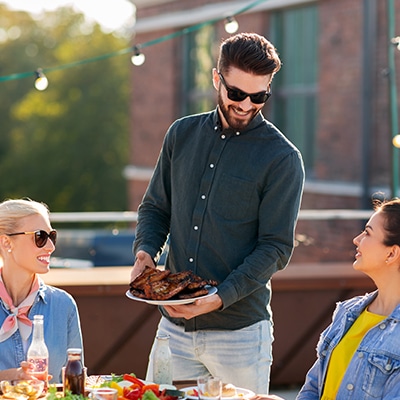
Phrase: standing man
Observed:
(227, 190)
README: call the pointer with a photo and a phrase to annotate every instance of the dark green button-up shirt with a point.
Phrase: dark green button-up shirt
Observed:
(229, 201)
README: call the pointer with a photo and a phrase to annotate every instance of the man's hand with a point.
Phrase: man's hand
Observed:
(142, 259)
(199, 307)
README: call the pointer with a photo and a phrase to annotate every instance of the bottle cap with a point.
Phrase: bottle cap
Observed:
(74, 351)
(162, 336)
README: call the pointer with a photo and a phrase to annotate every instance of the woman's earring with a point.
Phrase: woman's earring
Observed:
(9, 250)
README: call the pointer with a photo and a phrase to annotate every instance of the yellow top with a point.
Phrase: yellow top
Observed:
(344, 351)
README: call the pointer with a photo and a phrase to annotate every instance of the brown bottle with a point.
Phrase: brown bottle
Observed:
(74, 378)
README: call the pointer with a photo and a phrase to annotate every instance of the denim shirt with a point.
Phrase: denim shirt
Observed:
(229, 201)
(374, 370)
(62, 330)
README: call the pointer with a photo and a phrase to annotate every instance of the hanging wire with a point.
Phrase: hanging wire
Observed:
(132, 49)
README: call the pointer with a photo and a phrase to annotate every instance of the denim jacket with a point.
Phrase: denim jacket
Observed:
(62, 330)
(374, 370)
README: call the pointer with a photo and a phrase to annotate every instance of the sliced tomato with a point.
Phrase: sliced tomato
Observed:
(132, 393)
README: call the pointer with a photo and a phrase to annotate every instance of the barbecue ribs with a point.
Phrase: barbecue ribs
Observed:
(155, 284)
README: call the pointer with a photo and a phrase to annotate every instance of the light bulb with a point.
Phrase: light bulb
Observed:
(396, 42)
(396, 141)
(41, 81)
(231, 25)
(138, 58)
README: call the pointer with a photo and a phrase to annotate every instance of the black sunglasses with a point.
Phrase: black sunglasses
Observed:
(239, 95)
(40, 236)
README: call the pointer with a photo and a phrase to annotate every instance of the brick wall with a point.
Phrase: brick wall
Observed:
(155, 105)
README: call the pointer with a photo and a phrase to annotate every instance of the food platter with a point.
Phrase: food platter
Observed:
(211, 290)
(96, 381)
(241, 394)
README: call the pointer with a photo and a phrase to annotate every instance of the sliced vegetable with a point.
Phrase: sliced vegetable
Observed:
(133, 379)
(154, 387)
(149, 395)
(115, 385)
(132, 393)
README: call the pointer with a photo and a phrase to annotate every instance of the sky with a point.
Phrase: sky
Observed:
(110, 14)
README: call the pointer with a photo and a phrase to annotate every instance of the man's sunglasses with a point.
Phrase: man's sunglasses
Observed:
(40, 236)
(239, 95)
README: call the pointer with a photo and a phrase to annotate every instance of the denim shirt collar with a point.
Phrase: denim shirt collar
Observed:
(42, 291)
(356, 309)
(40, 296)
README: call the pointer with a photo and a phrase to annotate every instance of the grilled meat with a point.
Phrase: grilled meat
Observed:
(154, 284)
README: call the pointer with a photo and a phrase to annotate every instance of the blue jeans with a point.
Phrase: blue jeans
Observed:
(242, 357)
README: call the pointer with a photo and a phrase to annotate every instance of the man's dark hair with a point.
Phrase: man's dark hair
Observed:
(250, 53)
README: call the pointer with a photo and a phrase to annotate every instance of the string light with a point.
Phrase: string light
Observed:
(396, 141)
(138, 58)
(231, 25)
(396, 42)
(41, 81)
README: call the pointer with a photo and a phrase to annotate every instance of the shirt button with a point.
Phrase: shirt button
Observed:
(360, 355)
(350, 386)
(196, 228)
(191, 259)
(388, 367)
(237, 133)
(223, 136)
(203, 196)
(215, 128)
(211, 165)
(382, 326)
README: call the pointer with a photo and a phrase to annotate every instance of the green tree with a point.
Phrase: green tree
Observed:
(66, 146)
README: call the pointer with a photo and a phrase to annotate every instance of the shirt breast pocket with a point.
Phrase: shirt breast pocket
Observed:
(234, 199)
(380, 368)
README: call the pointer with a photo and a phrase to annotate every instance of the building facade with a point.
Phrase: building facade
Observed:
(335, 96)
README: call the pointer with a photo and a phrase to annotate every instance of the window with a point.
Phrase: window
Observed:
(198, 94)
(294, 109)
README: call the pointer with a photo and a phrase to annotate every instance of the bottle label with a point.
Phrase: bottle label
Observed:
(40, 370)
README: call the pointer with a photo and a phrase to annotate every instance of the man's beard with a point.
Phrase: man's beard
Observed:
(234, 123)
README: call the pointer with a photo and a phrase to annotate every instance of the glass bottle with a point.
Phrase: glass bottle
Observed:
(162, 362)
(38, 353)
(74, 374)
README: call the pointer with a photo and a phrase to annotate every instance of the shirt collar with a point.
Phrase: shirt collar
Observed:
(42, 290)
(257, 120)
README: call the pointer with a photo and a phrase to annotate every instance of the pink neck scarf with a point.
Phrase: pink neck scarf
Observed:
(18, 319)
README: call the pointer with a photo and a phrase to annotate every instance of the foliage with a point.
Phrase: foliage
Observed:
(66, 146)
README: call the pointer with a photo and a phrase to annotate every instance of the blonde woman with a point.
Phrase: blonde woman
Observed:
(27, 241)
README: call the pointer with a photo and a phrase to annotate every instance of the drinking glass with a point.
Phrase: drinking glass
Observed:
(209, 387)
(103, 394)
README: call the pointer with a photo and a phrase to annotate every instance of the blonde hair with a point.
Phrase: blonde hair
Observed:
(12, 211)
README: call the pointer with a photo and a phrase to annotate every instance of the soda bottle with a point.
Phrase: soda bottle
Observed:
(38, 353)
(162, 362)
(74, 375)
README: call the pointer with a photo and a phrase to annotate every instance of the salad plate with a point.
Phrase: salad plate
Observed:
(96, 381)
(211, 290)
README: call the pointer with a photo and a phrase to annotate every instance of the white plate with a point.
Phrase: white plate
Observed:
(211, 290)
(95, 381)
(241, 394)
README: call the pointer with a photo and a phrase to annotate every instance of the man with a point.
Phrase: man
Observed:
(227, 189)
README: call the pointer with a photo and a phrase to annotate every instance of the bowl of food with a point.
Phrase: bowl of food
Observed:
(22, 389)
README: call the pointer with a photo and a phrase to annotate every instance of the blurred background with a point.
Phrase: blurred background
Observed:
(121, 72)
